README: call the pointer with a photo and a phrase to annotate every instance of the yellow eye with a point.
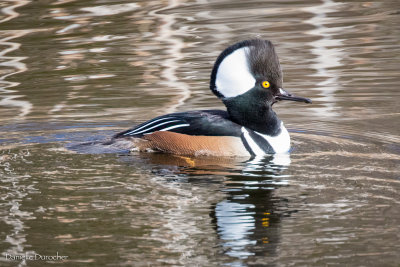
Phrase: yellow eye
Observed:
(265, 84)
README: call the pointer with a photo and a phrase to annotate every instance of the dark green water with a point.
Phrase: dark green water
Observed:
(73, 71)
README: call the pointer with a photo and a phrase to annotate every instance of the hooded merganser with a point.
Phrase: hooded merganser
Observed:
(247, 77)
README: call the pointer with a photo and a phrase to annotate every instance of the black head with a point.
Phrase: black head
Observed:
(250, 65)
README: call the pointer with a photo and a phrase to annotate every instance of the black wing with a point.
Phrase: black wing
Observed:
(202, 122)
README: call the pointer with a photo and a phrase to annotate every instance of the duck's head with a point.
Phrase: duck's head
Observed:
(248, 73)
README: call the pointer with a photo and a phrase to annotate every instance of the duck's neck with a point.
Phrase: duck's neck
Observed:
(253, 113)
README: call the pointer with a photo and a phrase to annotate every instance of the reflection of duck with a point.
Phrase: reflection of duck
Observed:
(246, 217)
(248, 79)
(248, 225)
(248, 220)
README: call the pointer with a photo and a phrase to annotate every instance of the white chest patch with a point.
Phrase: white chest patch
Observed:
(233, 76)
(279, 143)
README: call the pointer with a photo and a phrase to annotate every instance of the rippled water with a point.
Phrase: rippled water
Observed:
(73, 71)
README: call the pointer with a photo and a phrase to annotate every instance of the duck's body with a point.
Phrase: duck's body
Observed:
(248, 79)
(205, 132)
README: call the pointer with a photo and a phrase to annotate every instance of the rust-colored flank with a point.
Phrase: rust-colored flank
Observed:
(183, 144)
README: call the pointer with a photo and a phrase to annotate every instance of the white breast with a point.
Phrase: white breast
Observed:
(279, 143)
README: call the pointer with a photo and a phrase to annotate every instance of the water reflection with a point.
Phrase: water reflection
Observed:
(328, 54)
(247, 220)
(9, 11)
(14, 191)
(14, 65)
(174, 44)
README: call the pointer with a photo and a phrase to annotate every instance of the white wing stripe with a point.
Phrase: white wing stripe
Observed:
(155, 126)
(148, 124)
(175, 126)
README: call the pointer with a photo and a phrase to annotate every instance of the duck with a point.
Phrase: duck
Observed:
(247, 78)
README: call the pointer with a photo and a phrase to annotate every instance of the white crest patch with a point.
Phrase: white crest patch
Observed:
(233, 76)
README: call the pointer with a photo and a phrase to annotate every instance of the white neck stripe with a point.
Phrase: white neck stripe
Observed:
(279, 143)
(252, 144)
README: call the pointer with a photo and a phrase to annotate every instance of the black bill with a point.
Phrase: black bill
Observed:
(283, 95)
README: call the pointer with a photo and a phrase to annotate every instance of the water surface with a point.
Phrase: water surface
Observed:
(75, 71)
